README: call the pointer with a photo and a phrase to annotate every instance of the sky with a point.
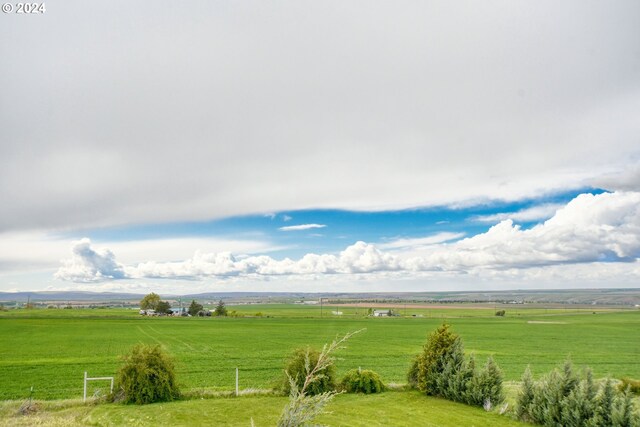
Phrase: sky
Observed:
(334, 146)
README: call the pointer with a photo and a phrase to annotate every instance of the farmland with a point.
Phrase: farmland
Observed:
(51, 349)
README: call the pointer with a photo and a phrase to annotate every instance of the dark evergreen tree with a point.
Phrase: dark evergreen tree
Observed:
(163, 307)
(194, 308)
(220, 309)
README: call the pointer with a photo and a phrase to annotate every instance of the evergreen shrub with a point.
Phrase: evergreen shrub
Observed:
(362, 381)
(443, 370)
(562, 398)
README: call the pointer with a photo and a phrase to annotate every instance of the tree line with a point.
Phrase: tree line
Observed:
(153, 302)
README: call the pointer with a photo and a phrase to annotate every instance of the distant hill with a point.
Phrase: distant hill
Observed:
(628, 297)
(67, 295)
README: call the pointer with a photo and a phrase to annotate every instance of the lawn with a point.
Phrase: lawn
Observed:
(388, 409)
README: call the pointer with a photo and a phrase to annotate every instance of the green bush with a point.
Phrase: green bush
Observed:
(525, 397)
(452, 382)
(303, 408)
(631, 384)
(147, 376)
(298, 368)
(561, 398)
(442, 370)
(485, 387)
(362, 381)
(414, 370)
(437, 352)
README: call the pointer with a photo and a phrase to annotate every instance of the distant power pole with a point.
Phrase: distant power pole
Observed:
(320, 307)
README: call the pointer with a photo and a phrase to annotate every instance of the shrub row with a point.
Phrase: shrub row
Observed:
(355, 381)
(561, 398)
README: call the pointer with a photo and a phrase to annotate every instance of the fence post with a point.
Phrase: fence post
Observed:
(86, 379)
(236, 381)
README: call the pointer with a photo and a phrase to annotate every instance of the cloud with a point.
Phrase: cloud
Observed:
(29, 251)
(20, 251)
(622, 180)
(180, 248)
(358, 258)
(535, 213)
(273, 107)
(301, 227)
(89, 265)
(590, 229)
(286, 218)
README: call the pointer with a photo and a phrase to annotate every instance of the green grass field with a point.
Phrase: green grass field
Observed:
(51, 349)
(449, 310)
(388, 409)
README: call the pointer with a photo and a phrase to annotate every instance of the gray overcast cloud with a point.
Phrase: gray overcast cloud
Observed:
(130, 112)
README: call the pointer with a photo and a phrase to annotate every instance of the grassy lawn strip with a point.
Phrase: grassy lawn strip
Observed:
(407, 408)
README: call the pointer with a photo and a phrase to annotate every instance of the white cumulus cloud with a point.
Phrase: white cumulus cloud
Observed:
(89, 265)
(590, 228)
(601, 229)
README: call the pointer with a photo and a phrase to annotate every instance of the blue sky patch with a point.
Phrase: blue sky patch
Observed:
(332, 230)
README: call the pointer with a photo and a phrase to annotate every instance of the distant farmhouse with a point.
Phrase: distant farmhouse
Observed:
(382, 313)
